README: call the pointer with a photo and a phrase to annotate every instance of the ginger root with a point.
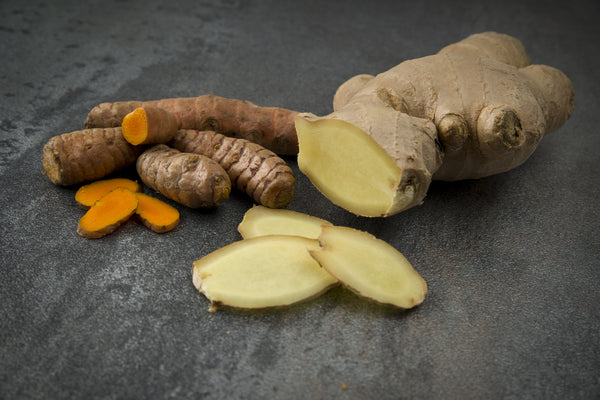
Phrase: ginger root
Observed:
(149, 125)
(108, 213)
(475, 109)
(89, 194)
(87, 155)
(190, 179)
(261, 221)
(271, 127)
(252, 169)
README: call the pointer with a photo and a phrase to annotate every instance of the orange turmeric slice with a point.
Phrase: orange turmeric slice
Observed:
(156, 214)
(88, 194)
(108, 213)
(149, 125)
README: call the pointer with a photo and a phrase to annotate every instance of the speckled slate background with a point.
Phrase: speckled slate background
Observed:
(512, 261)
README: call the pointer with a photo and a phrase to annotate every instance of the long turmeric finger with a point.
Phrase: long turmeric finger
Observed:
(149, 125)
(108, 213)
(271, 127)
(254, 170)
(86, 155)
(190, 179)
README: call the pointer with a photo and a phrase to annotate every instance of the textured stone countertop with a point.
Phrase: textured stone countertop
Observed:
(512, 261)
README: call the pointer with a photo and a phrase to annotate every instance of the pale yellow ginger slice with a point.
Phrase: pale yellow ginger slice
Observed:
(262, 272)
(370, 267)
(261, 221)
(349, 167)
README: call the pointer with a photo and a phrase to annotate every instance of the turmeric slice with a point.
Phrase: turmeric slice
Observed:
(157, 215)
(149, 125)
(108, 213)
(88, 194)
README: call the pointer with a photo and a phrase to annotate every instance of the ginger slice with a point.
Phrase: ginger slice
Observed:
(261, 221)
(262, 272)
(156, 214)
(349, 167)
(88, 194)
(108, 213)
(369, 266)
(149, 125)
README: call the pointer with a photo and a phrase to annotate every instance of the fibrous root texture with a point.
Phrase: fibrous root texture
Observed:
(475, 109)
(271, 127)
(252, 169)
(190, 179)
(87, 155)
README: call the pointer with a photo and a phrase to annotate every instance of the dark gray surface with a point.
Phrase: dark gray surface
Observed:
(512, 261)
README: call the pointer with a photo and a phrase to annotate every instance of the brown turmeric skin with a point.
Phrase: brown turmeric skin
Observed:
(190, 179)
(271, 127)
(253, 169)
(86, 155)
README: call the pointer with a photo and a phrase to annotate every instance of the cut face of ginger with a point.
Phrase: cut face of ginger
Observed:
(348, 166)
(262, 272)
(261, 221)
(369, 266)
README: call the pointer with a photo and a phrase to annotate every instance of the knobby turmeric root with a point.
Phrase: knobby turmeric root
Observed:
(149, 125)
(271, 127)
(475, 109)
(252, 169)
(157, 215)
(190, 179)
(108, 213)
(89, 194)
(87, 155)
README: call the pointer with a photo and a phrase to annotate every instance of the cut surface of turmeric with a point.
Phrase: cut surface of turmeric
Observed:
(149, 125)
(108, 213)
(88, 194)
(157, 215)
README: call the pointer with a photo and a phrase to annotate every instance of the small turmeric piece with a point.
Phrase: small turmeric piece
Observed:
(157, 215)
(89, 194)
(190, 179)
(252, 169)
(87, 155)
(149, 125)
(271, 127)
(108, 213)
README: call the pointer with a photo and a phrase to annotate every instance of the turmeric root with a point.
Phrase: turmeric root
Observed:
(475, 109)
(190, 179)
(87, 155)
(252, 169)
(157, 215)
(149, 125)
(89, 194)
(271, 127)
(108, 213)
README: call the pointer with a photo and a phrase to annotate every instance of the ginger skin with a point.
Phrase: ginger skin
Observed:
(108, 213)
(190, 179)
(87, 155)
(253, 169)
(475, 109)
(149, 125)
(271, 127)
